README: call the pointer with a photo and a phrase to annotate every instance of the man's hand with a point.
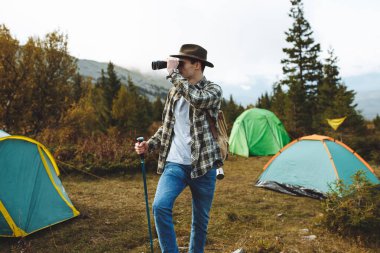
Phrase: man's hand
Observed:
(141, 147)
(172, 64)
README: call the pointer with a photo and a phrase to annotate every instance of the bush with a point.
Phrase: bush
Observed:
(100, 154)
(353, 209)
(368, 146)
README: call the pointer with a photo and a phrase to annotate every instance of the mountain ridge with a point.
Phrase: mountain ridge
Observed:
(366, 86)
(149, 85)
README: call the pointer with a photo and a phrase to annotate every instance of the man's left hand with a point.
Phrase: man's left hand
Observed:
(172, 64)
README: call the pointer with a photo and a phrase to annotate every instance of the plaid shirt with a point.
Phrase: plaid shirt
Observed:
(204, 96)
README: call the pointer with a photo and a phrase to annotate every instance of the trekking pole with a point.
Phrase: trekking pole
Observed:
(141, 139)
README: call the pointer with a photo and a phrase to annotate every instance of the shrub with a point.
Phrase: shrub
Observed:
(353, 209)
(101, 154)
(368, 146)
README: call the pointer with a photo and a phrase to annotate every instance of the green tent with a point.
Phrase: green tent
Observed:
(257, 132)
(31, 195)
(308, 165)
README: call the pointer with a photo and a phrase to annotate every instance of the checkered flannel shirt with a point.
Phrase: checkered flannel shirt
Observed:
(203, 96)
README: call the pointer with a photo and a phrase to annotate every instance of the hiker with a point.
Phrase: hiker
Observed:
(188, 153)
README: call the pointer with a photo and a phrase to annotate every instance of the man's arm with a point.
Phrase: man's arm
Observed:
(150, 145)
(206, 98)
(155, 141)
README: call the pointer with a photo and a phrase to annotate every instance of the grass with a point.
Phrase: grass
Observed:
(113, 218)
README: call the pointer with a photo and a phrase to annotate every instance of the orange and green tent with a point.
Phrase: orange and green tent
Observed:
(307, 166)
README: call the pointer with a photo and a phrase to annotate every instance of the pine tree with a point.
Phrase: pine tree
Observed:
(114, 82)
(264, 101)
(132, 112)
(376, 122)
(279, 103)
(158, 108)
(327, 91)
(344, 104)
(77, 87)
(85, 117)
(231, 111)
(335, 100)
(302, 71)
(121, 109)
(109, 84)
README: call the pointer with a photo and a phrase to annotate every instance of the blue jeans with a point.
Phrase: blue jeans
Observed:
(173, 181)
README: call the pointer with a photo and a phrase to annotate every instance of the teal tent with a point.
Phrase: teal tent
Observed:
(31, 194)
(257, 132)
(308, 165)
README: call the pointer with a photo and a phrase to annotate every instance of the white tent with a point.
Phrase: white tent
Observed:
(3, 134)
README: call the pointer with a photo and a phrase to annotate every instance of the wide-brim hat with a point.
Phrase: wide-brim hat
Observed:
(195, 52)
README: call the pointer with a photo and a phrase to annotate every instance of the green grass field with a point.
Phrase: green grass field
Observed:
(113, 218)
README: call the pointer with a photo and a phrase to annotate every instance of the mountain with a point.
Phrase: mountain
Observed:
(366, 86)
(151, 86)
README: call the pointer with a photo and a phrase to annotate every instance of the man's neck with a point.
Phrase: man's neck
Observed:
(194, 80)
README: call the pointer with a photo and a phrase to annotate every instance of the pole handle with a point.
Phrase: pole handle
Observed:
(139, 140)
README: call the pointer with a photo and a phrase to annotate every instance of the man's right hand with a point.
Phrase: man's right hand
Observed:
(141, 147)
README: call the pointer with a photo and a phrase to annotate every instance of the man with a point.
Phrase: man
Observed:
(188, 153)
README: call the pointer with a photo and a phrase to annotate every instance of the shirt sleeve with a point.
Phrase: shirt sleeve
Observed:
(155, 141)
(206, 98)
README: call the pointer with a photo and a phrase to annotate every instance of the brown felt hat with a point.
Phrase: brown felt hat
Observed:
(195, 52)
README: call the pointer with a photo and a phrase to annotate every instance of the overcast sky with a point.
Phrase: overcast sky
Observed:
(244, 39)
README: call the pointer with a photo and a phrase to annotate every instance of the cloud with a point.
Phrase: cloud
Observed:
(245, 87)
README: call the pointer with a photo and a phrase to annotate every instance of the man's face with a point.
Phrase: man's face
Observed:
(187, 69)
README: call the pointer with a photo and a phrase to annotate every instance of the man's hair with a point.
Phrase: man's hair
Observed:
(192, 60)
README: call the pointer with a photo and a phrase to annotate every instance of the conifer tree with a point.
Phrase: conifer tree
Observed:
(132, 112)
(264, 101)
(157, 108)
(114, 82)
(86, 117)
(302, 70)
(109, 84)
(121, 109)
(231, 111)
(77, 87)
(335, 100)
(101, 92)
(376, 122)
(344, 104)
(279, 103)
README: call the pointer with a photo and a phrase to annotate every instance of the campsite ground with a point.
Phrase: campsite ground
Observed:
(113, 218)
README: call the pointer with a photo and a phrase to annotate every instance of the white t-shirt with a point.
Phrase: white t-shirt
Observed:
(180, 149)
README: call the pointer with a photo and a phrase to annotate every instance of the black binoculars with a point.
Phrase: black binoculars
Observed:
(159, 65)
(163, 64)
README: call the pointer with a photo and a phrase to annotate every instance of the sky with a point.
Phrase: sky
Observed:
(244, 38)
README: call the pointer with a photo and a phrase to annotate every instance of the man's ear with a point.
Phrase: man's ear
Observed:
(198, 65)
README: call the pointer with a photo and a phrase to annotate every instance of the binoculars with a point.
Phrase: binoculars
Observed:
(163, 64)
(159, 65)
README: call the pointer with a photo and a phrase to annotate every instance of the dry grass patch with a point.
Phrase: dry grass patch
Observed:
(113, 218)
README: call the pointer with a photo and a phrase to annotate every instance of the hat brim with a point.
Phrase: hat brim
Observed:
(207, 63)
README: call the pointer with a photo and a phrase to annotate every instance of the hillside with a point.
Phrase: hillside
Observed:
(151, 86)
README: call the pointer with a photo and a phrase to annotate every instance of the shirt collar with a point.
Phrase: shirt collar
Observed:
(201, 84)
